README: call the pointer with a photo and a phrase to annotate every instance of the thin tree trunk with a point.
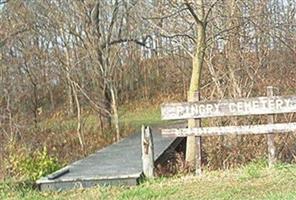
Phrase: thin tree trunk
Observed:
(50, 93)
(69, 86)
(195, 83)
(11, 132)
(78, 129)
(115, 113)
(233, 49)
(35, 96)
(69, 96)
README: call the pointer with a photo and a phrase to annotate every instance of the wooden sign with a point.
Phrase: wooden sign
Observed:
(231, 107)
(228, 130)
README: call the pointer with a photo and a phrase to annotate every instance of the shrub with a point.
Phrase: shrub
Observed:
(29, 166)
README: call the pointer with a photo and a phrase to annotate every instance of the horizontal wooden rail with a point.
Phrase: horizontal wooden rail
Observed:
(230, 107)
(231, 130)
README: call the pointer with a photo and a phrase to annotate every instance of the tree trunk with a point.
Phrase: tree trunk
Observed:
(195, 83)
(35, 104)
(233, 49)
(69, 96)
(78, 129)
(106, 103)
(69, 85)
(51, 98)
(115, 113)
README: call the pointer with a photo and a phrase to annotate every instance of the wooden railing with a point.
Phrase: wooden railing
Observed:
(268, 105)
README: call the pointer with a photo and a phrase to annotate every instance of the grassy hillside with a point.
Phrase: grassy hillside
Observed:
(253, 181)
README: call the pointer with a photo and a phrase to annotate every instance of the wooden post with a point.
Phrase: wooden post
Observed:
(147, 152)
(270, 137)
(198, 163)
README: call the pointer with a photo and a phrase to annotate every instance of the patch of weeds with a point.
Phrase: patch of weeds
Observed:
(253, 170)
(149, 181)
(280, 195)
(4, 190)
(147, 190)
(25, 165)
(147, 193)
(57, 125)
(9, 190)
(282, 166)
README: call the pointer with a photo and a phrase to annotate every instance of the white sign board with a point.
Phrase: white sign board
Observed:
(236, 107)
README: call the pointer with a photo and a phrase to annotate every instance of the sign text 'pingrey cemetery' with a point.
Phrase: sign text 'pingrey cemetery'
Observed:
(235, 107)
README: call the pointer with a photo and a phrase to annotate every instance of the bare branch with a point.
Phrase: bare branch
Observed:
(210, 10)
(189, 7)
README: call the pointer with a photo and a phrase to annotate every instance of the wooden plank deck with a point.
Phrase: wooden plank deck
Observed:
(119, 164)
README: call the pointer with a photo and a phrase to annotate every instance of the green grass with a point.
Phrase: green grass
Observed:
(129, 116)
(149, 115)
(253, 181)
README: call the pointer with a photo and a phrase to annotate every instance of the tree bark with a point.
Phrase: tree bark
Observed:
(115, 113)
(70, 111)
(78, 129)
(195, 83)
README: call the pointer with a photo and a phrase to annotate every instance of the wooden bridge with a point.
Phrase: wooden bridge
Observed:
(117, 164)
